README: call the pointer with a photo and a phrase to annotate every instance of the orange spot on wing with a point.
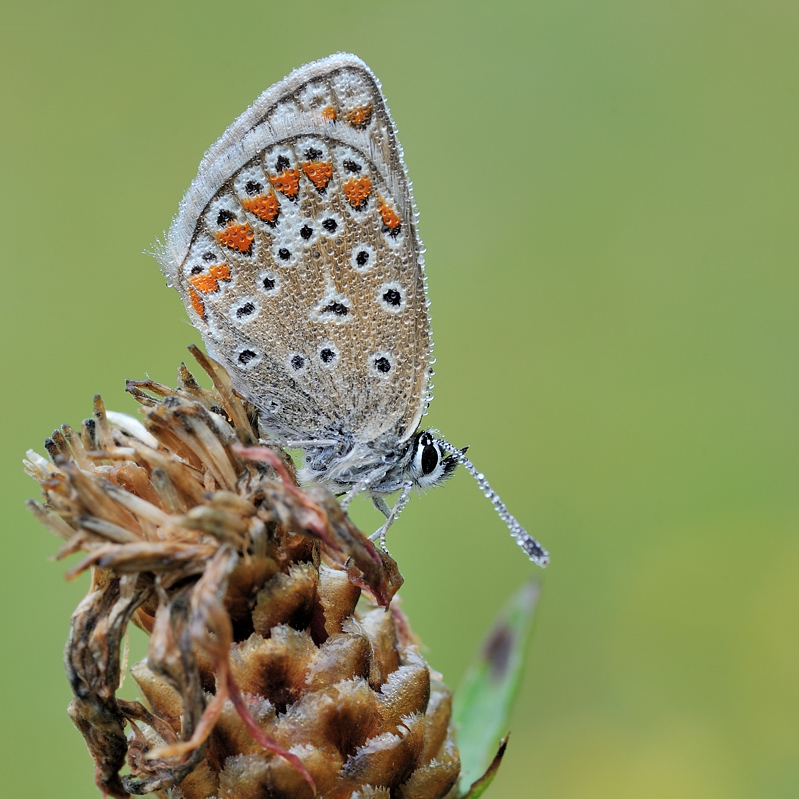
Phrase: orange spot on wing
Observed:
(208, 283)
(360, 116)
(287, 182)
(357, 191)
(318, 172)
(329, 113)
(265, 207)
(236, 237)
(197, 303)
(391, 221)
(220, 271)
(205, 284)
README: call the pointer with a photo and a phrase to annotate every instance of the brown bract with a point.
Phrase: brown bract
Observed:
(278, 665)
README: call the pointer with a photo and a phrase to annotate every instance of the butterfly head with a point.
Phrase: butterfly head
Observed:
(429, 464)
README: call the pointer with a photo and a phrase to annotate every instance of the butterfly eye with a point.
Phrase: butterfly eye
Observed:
(429, 459)
(428, 465)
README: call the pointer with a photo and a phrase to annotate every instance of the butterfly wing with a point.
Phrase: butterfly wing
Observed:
(296, 254)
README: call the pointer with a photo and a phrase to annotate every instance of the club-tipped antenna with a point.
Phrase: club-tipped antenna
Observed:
(532, 548)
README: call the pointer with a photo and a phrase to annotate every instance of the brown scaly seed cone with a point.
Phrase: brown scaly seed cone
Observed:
(278, 665)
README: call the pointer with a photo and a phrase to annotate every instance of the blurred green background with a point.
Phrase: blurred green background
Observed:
(608, 195)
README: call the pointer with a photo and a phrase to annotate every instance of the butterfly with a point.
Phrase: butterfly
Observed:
(296, 254)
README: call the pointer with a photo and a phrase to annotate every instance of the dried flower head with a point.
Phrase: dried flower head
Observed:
(278, 665)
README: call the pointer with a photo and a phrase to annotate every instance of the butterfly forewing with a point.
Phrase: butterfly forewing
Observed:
(297, 256)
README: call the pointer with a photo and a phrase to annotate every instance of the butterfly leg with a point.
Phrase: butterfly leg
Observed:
(382, 506)
(391, 514)
(360, 486)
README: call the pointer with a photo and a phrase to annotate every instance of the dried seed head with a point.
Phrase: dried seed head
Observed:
(278, 665)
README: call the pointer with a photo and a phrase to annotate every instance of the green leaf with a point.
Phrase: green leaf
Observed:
(479, 786)
(484, 700)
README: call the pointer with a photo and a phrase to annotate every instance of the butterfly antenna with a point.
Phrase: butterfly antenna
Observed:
(532, 548)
